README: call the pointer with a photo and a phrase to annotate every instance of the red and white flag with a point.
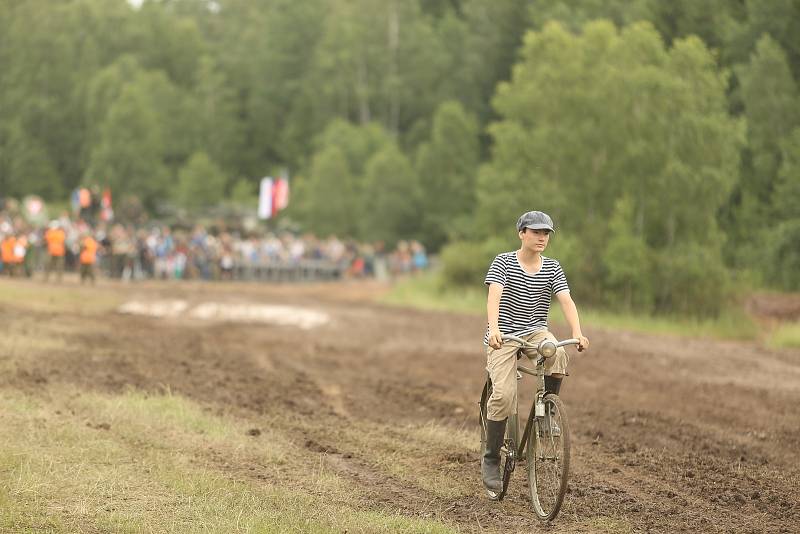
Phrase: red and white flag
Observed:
(280, 195)
(265, 198)
(273, 196)
(106, 211)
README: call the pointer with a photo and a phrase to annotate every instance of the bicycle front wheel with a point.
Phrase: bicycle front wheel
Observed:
(547, 459)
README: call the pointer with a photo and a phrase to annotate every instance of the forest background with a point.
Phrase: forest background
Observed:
(662, 136)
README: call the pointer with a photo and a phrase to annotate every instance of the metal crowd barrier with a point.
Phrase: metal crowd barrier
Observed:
(304, 271)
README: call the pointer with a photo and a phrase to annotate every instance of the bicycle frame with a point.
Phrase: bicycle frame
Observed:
(539, 373)
(514, 447)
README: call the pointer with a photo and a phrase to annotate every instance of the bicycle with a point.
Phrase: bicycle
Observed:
(546, 435)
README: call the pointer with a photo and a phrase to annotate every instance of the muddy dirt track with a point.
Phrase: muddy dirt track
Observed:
(669, 435)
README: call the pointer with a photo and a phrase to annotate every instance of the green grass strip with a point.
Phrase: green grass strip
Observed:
(427, 291)
(786, 335)
(80, 462)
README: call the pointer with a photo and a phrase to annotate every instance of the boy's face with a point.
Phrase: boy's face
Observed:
(534, 240)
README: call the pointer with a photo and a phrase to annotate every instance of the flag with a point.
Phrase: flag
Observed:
(265, 198)
(280, 195)
(84, 198)
(106, 211)
(106, 200)
(75, 200)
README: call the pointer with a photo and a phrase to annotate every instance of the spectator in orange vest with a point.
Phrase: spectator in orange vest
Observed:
(55, 238)
(7, 251)
(20, 251)
(88, 257)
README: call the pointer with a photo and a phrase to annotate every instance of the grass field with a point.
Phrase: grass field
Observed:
(155, 463)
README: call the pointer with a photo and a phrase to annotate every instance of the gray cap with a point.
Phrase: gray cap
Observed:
(535, 220)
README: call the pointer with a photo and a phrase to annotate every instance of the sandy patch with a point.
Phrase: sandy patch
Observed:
(156, 308)
(244, 313)
(260, 313)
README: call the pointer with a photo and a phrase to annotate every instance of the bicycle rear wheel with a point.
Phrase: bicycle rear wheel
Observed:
(547, 459)
(485, 394)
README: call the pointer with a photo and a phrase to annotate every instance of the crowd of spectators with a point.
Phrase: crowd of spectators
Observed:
(158, 251)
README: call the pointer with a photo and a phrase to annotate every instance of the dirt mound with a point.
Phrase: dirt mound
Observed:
(775, 306)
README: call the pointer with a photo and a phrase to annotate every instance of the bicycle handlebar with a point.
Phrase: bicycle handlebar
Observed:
(546, 348)
(564, 343)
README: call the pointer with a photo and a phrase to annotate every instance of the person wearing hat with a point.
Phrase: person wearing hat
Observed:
(521, 284)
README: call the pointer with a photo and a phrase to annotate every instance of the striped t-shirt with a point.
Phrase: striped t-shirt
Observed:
(525, 302)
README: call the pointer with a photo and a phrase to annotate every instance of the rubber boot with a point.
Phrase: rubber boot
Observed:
(490, 464)
(550, 427)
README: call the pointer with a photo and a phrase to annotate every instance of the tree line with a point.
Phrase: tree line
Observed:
(664, 137)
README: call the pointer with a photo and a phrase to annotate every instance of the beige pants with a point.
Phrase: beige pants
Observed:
(502, 367)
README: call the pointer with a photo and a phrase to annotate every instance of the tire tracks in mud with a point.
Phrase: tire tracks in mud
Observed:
(391, 494)
(686, 475)
(669, 505)
(687, 457)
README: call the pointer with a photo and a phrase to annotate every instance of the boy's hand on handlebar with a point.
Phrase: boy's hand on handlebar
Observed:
(583, 343)
(495, 338)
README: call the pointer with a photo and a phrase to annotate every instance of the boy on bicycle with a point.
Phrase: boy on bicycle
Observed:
(521, 284)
